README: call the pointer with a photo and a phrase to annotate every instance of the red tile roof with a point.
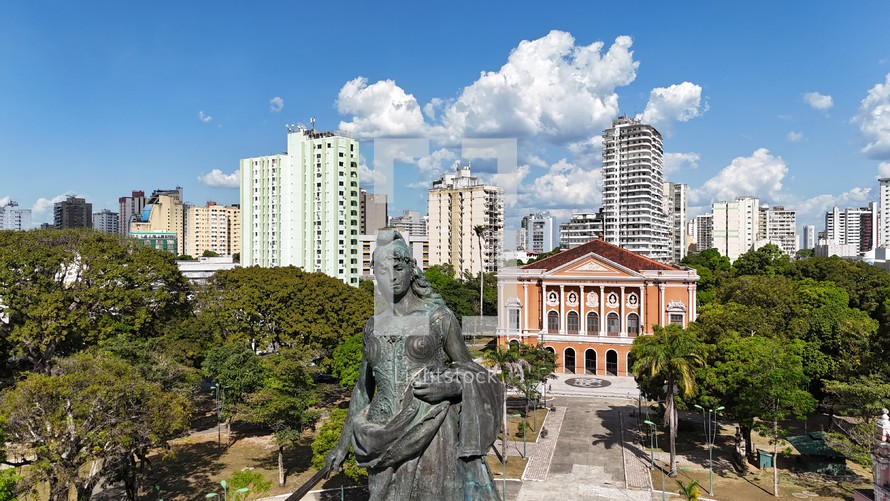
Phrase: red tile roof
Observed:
(617, 255)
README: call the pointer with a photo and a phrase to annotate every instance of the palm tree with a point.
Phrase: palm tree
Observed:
(479, 229)
(672, 353)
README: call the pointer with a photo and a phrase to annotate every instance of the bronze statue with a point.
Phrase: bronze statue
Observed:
(423, 415)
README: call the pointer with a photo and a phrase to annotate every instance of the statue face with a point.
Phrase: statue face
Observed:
(393, 278)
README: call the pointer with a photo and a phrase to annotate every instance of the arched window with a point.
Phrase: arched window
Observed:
(593, 323)
(553, 322)
(569, 361)
(590, 362)
(572, 322)
(613, 324)
(633, 325)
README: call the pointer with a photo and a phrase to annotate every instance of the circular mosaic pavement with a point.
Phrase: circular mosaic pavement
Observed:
(587, 382)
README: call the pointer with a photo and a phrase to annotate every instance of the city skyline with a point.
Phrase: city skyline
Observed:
(789, 103)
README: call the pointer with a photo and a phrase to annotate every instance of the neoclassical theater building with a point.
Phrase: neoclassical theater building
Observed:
(588, 303)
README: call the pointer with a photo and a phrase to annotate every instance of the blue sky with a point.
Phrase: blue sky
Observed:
(787, 101)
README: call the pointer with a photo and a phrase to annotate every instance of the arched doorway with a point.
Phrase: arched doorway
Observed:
(514, 345)
(569, 357)
(593, 324)
(572, 322)
(590, 362)
(553, 322)
(613, 324)
(611, 363)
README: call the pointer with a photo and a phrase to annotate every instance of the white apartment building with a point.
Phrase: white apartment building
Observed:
(633, 189)
(301, 207)
(410, 223)
(884, 239)
(852, 227)
(581, 228)
(809, 236)
(702, 232)
(735, 226)
(778, 226)
(676, 207)
(215, 228)
(458, 204)
(536, 231)
(106, 221)
(14, 218)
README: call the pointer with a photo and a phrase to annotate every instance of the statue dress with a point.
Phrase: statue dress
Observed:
(413, 449)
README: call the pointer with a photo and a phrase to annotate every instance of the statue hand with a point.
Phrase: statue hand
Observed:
(435, 392)
(335, 458)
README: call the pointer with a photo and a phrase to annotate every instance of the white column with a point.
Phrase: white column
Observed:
(622, 322)
(501, 310)
(643, 309)
(690, 309)
(602, 310)
(661, 302)
(582, 322)
(524, 327)
(562, 310)
(543, 307)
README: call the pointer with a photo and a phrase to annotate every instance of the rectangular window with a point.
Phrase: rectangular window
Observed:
(677, 319)
(513, 319)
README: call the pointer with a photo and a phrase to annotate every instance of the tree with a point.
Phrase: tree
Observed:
(209, 253)
(672, 353)
(270, 308)
(89, 409)
(346, 360)
(768, 260)
(284, 401)
(64, 290)
(327, 438)
(238, 370)
(760, 381)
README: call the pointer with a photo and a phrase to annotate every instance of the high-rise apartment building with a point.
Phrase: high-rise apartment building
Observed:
(809, 236)
(460, 203)
(410, 223)
(703, 232)
(537, 230)
(884, 238)
(581, 228)
(14, 218)
(372, 212)
(214, 228)
(855, 227)
(633, 189)
(129, 209)
(735, 226)
(72, 212)
(778, 226)
(676, 207)
(301, 207)
(106, 221)
(161, 224)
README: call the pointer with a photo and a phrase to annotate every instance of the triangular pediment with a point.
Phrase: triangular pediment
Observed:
(592, 265)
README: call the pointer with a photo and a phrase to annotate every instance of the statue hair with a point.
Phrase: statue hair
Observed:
(391, 245)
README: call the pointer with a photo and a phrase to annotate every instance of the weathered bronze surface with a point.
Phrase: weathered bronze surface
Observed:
(423, 414)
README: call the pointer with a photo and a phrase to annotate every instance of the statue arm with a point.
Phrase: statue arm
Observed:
(455, 347)
(358, 402)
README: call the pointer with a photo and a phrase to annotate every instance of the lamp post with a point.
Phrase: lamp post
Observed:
(653, 440)
(710, 427)
(216, 388)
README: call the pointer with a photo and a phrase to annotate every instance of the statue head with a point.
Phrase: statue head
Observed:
(396, 271)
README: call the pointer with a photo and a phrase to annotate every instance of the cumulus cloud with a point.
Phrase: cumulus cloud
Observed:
(370, 178)
(814, 208)
(217, 179)
(818, 101)
(276, 104)
(675, 162)
(4, 201)
(874, 121)
(432, 108)
(549, 86)
(566, 185)
(795, 137)
(204, 117)
(378, 110)
(677, 103)
(42, 210)
(883, 172)
(758, 175)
